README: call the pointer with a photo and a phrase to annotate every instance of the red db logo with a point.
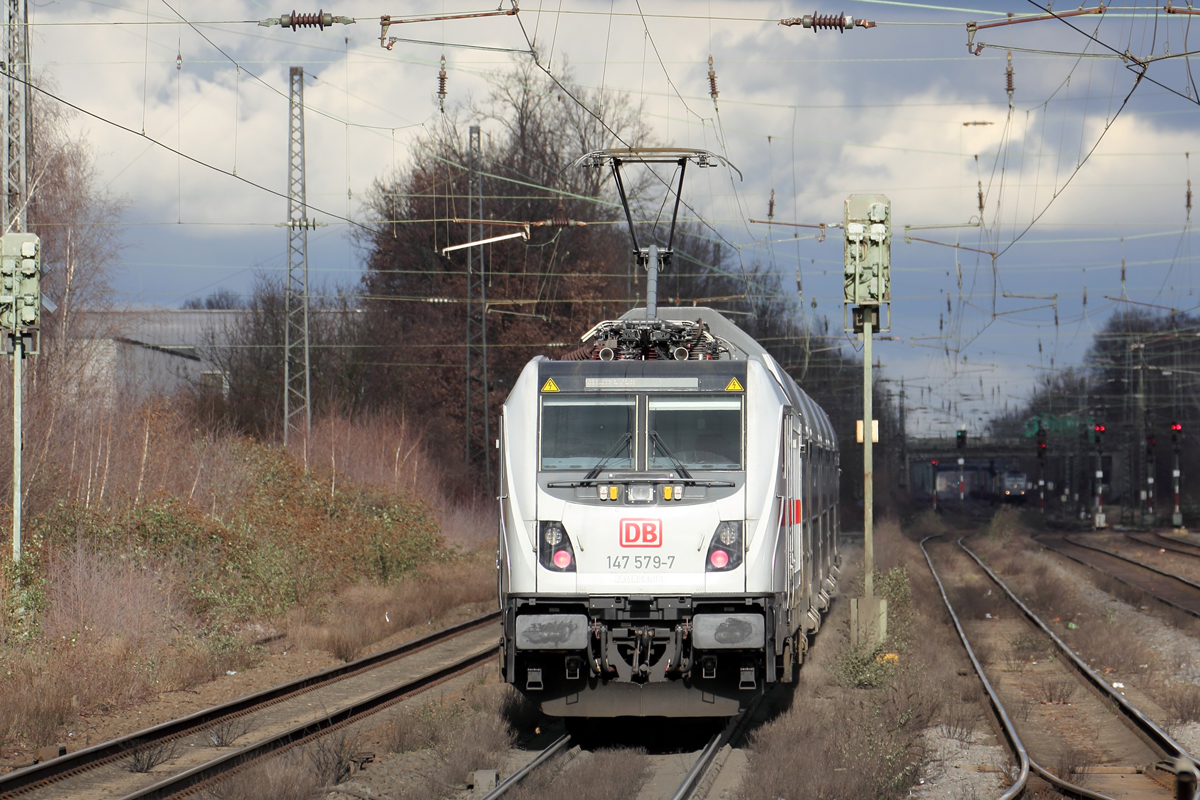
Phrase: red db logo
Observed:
(641, 533)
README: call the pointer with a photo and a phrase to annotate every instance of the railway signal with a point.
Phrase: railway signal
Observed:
(20, 317)
(960, 439)
(1176, 438)
(1041, 454)
(1098, 519)
(1150, 442)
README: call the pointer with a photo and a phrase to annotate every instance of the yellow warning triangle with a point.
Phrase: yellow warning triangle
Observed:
(734, 386)
(549, 385)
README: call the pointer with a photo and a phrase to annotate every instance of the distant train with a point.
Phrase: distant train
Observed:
(1013, 486)
(668, 521)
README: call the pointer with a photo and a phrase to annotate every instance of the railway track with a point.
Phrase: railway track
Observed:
(1164, 586)
(695, 782)
(1166, 543)
(274, 720)
(1135, 760)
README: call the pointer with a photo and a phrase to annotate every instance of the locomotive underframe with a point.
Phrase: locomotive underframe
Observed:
(640, 657)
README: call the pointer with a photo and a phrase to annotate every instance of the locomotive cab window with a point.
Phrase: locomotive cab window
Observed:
(581, 432)
(697, 432)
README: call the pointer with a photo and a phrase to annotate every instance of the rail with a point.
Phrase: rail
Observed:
(556, 747)
(72, 764)
(1149, 592)
(1160, 740)
(302, 734)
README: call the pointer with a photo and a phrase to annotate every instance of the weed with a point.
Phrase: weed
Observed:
(1073, 764)
(146, 757)
(862, 666)
(1003, 526)
(1056, 692)
(1183, 702)
(958, 721)
(286, 778)
(227, 731)
(332, 756)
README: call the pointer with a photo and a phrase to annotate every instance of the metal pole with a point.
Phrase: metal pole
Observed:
(1176, 516)
(18, 356)
(297, 408)
(1099, 485)
(962, 494)
(868, 463)
(652, 283)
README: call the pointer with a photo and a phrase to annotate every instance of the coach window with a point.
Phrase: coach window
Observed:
(579, 432)
(701, 432)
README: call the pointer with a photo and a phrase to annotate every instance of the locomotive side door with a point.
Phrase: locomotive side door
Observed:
(795, 494)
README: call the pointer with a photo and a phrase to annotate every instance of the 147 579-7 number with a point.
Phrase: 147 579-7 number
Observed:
(641, 562)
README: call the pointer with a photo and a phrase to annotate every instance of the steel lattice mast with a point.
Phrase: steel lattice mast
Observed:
(477, 412)
(16, 116)
(297, 412)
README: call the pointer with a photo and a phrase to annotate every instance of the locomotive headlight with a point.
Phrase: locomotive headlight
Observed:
(554, 547)
(552, 533)
(725, 551)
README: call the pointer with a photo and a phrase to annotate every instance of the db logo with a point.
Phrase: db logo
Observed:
(641, 533)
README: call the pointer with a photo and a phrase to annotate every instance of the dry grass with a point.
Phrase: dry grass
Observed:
(366, 613)
(884, 726)
(1073, 763)
(150, 544)
(287, 778)
(1057, 691)
(598, 775)
(1182, 701)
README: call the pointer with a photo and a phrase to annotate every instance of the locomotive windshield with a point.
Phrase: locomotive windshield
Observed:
(578, 432)
(699, 432)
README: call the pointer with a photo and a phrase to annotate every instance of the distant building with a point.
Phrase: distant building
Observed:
(131, 355)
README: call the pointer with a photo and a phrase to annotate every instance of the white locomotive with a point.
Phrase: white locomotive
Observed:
(669, 520)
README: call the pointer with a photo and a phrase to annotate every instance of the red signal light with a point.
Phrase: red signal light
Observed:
(934, 462)
(1099, 429)
(1175, 426)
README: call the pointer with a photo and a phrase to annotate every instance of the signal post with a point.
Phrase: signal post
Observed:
(1176, 437)
(867, 281)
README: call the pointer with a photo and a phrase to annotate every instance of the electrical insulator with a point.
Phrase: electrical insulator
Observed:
(179, 61)
(771, 206)
(712, 81)
(1189, 200)
(980, 185)
(1008, 80)
(441, 92)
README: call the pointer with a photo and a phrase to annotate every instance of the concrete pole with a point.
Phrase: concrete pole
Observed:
(868, 462)
(18, 357)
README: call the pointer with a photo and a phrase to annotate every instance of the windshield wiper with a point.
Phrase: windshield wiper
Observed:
(683, 473)
(616, 448)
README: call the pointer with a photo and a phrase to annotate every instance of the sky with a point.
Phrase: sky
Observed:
(1086, 170)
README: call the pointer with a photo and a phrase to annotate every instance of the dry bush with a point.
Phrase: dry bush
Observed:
(287, 778)
(146, 757)
(880, 727)
(1073, 763)
(1056, 691)
(1048, 592)
(227, 731)
(1104, 644)
(1004, 525)
(600, 775)
(927, 523)
(1182, 701)
(958, 719)
(331, 757)
(985, 651)
(366, 613)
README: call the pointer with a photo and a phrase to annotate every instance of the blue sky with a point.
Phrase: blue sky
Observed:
(815, 116)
